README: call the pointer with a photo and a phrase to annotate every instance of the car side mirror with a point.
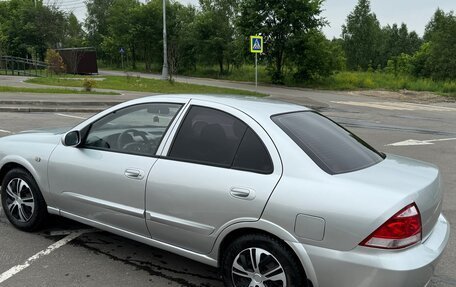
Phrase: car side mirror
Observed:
(72, 138)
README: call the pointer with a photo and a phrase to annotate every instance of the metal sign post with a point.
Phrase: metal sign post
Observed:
(165, 70)
(122, 52)
(256, 47)
(256, 70)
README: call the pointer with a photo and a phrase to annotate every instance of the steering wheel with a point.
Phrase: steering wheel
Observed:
(125, 140)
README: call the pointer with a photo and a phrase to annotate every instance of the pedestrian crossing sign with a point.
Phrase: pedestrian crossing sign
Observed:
(256, 44)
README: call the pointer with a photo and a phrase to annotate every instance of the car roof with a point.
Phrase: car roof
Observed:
(256, 106)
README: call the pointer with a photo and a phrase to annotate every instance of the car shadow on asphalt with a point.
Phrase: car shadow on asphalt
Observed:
(155, 262)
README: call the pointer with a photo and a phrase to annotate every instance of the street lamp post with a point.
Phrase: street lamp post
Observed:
(165, 72)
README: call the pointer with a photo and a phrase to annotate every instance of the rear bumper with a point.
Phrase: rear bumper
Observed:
(362, 266)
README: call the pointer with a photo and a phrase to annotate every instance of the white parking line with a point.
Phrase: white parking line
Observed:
(16, 269)
(5, 131)
(70, 116)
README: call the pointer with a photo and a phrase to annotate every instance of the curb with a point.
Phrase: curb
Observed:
(50, 110)
(46, 106)
(59, 103)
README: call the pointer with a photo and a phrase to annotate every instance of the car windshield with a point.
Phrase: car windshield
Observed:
(333, 148)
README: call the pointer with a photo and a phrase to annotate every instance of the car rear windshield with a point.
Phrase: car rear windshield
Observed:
(333, 148)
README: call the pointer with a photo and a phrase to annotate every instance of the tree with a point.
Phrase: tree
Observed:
(441, 55)
(74, 35)
(420, 61)
(29, 30)
(315, 56)
(96, 22)
(122, 31)
(362, 37)
(182, 52)
(54, 62)
(279, 22)
(214, 33)
(148, 31)
(4, 12)
(397, 41)
(409, 42)
(389, 47)
(338, 57)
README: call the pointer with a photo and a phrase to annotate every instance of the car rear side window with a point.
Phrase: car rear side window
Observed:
(333, 148)
(252, 155)
(210, 136)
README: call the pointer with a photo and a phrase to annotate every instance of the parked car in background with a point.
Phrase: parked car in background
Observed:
(275, 194)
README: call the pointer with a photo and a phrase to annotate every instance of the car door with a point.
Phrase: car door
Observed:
(104, 179)
(219, 169)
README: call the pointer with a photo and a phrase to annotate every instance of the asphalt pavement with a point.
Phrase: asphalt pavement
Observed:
(417, 129)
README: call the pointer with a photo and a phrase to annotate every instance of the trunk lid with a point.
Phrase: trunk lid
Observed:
(411, 181)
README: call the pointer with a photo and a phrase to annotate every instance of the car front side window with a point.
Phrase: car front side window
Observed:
(137, 129)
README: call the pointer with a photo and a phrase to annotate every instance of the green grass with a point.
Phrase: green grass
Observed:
(140, 67)
(142, 85)
(245, 73)
(375, 80)
(340, 81)
(4, 89)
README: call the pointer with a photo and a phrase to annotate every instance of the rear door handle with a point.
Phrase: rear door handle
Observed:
(242, 193)
(134, 173)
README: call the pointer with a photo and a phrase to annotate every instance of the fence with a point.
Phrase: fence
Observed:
(16, 66)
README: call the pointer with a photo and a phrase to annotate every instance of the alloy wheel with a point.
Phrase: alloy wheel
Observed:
(256, 267)
(20, 201)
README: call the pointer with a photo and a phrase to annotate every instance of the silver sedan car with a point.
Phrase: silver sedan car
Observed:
(272, 193)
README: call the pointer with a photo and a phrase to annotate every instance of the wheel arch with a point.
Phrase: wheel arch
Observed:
(25, 171)
(266, 228)
(7, 167)
(10, 163)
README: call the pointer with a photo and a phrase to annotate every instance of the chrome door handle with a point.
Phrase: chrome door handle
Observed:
(134, 173)
(242, 193)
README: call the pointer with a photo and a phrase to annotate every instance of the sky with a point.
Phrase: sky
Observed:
(415, 13)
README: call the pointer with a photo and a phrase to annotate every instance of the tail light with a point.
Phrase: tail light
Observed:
(400, 231)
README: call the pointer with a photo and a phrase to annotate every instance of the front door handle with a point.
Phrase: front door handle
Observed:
(134, 173)
(242, 193)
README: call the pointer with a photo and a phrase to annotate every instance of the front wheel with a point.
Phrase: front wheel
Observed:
(260, 261)
(22, 201)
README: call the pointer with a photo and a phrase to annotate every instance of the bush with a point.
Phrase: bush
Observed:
(400, 65)
(54, 62)
(421, 61)
(89, 84)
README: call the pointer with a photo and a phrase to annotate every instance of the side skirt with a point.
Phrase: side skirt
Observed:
(146, 240)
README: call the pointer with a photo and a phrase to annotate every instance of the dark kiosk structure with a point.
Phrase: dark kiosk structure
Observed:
(79, 60)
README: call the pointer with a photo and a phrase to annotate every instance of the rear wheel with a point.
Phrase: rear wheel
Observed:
(261, 261)
(22, 201)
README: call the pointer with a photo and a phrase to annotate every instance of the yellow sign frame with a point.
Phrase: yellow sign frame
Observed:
(253, 49)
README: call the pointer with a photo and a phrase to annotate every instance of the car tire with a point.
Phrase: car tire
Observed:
(239, 270)
(22, 201)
